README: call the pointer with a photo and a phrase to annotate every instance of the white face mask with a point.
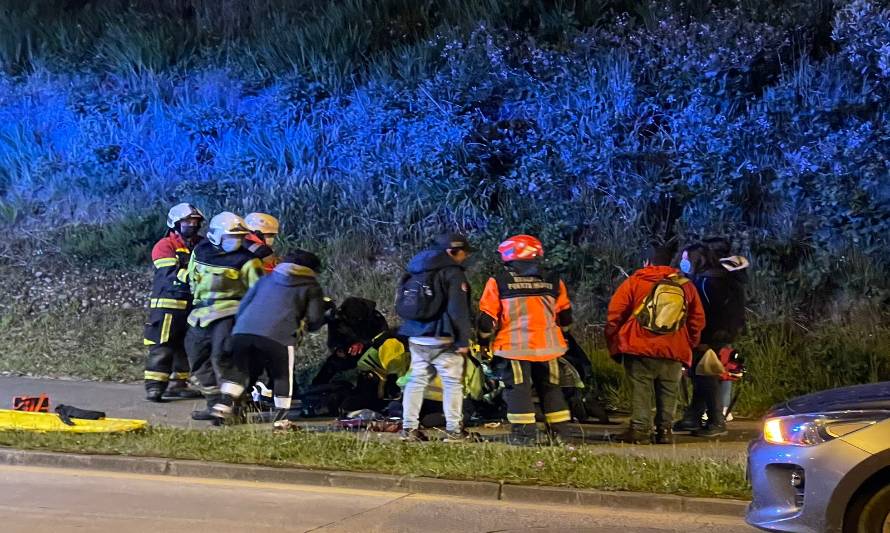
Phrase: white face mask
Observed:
(270, 240)
(231, 244)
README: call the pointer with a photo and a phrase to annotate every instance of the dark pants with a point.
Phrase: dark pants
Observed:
(706, 397)
(165, 334)
(253, 352)
(207, 353)
(652, 381)
(519, 377)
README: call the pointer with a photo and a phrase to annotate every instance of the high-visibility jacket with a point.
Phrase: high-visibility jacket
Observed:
(218, 281)
(170, 257)
(527, 308)
(258, 247)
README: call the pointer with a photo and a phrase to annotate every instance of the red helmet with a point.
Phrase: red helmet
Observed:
(520, 247)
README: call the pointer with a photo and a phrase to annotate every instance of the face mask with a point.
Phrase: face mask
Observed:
(686, 264)
(188, 230)
(230, 245)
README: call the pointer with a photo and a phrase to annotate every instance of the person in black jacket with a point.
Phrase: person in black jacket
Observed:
(438, 345)
(720, 283)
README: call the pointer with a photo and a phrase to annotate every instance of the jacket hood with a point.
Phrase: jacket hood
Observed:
(430, 260)
(654, 273)
(291, 274)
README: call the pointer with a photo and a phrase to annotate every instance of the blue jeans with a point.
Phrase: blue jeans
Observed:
(426, 362)
(726, 393)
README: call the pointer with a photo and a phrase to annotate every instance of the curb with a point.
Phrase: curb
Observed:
(481, 490)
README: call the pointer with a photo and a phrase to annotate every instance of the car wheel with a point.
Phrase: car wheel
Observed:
(869, 513)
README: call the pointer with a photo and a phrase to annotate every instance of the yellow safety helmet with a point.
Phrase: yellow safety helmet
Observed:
(262, 222)
(225, 223)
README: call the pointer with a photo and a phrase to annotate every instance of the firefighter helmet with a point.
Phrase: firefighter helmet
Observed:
(262, 222)
(225, 223)
(181, 212)
(521, 247)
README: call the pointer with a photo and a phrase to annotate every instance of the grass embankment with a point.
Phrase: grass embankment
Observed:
(579, 467)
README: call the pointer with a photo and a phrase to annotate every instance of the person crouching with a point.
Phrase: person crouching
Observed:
(270, 320)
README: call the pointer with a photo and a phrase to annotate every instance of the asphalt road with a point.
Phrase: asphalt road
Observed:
(61, 500)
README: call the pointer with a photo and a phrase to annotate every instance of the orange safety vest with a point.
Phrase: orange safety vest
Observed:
(524, 309)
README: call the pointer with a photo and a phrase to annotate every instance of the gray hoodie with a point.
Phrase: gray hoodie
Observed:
(279, 304)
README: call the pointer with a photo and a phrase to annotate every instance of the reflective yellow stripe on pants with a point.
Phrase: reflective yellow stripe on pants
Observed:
(151, 375)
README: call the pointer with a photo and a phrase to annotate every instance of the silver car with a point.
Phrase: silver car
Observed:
(822, 463)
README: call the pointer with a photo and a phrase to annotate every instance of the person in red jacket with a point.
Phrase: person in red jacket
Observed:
(167, 367)
(655, 318)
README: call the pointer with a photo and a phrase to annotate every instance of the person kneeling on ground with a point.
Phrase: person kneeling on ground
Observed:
(530, 310)
(654, 320)
(270, 319)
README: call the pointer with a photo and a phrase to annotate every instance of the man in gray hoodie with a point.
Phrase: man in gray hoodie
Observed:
(271, 317)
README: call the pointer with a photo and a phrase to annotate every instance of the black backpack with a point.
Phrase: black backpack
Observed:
(420, 296)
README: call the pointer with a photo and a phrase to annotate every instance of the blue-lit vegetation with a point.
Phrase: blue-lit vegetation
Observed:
(368, 124)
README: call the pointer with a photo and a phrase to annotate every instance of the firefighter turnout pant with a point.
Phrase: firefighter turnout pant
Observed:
(250, 355)
(164, 335)
(209, 353)
(519, 378)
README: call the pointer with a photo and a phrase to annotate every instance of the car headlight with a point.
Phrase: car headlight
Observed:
(812, 429)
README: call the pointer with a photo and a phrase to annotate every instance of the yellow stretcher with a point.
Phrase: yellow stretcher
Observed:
(27, 421)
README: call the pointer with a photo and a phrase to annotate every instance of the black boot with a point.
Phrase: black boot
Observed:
(560, 433)
(711, 430)
(179, 390)
(523, 435)
(634, 436)
(664, 435)
(207, 413)
(154, 392)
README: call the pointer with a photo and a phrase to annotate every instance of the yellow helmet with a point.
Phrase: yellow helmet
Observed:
(262, 222)
(225, 223)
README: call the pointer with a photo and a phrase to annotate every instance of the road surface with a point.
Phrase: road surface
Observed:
(62, 500)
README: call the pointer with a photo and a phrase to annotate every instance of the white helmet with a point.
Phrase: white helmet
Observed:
(262, 222)
(225, 223)
(181, 212)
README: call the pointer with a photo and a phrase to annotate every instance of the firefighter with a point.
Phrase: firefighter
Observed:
(220, 273)
(524, 313)
(261, 239)
(166, 367)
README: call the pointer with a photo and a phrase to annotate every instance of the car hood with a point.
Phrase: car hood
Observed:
(871, 397)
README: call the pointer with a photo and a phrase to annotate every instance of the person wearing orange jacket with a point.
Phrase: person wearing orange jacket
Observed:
(260, 241)
(167, 367)
(523, 313)
(654, 320)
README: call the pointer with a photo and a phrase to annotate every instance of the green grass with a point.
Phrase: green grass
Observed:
(101, 344)
(580, 467)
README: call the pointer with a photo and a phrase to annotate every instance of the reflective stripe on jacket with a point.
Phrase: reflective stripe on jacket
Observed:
(170, 257)
(524, 308)
(218, 281)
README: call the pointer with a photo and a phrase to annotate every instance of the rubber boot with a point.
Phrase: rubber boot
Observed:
(560, 433)
(154, 391)
(523, 435)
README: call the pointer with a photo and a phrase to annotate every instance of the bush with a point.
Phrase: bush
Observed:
(596, 125)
